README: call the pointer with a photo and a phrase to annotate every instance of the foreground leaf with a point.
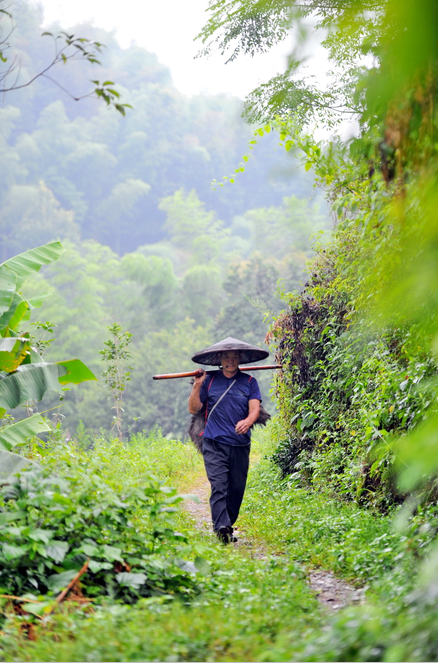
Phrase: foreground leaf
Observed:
(59, 581)
(29, 383)
(134, 580)
(57, 550)
(13, 552)
(20, 432)
(31, 261)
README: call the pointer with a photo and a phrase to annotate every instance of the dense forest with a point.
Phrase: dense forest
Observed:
(152, 245)
(343, 482)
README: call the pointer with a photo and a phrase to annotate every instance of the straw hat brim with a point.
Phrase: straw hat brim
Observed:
(248, 353)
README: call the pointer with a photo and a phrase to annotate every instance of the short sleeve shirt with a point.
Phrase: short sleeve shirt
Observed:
(232, 408)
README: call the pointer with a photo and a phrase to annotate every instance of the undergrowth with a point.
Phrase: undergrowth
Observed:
(253, 603)
(346, 390)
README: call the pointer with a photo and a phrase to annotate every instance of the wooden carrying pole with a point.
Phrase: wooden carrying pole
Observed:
(193, 374)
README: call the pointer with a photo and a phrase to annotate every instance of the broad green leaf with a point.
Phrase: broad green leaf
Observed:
(57, 550)
(112, 554)
(12, 353)
(13, 552)
(29, 383)
(31, 261)
(8, 281)
(11, 463)
(134, 580)
(10, 516)
(23, 430)
(76, 373)
(58, 581)
(89, 549)
(43, 535)
(95, 567)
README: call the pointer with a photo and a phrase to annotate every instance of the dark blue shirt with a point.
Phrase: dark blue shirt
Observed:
(232, 408)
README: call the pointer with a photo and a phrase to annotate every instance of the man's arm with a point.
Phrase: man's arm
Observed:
(253, 414)
(195, 402)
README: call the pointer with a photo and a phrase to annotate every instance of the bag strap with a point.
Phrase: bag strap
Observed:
(206, 404)
(217, 403)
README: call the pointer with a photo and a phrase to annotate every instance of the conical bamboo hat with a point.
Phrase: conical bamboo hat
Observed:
(248, 353)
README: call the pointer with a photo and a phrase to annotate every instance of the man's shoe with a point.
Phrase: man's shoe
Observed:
(225, 534)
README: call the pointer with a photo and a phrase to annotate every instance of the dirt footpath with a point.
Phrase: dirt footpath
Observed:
(331, 592)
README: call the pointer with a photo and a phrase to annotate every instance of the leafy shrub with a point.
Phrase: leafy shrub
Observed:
(346, 390)
(54, 518)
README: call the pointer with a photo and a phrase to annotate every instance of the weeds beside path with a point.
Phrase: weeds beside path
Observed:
(332, 592)
(254, 601)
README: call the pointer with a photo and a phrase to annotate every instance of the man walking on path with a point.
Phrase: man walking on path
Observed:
(232, 405)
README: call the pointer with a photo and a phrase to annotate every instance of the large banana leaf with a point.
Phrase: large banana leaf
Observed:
(8, 280)
(13, 351)
(23, 430)
(11, 463)
(31, 261)
(29, 383)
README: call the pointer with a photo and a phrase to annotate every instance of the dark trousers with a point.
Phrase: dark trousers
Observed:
(227, 470)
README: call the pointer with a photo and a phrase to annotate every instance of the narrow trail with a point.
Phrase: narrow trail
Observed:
(332, 592)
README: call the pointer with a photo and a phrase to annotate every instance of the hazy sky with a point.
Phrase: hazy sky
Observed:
(168, 28)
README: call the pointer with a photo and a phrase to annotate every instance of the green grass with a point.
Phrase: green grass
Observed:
(255, 605)
(244, 608)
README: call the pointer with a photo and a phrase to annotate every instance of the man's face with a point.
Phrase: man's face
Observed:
(230, 360)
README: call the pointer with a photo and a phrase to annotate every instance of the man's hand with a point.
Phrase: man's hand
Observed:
(194, 401)
(242, 427)
(199, 379)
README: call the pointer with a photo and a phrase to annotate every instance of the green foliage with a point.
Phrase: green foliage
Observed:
(77, 507)
(255, 604)
(23, 430)
(75, 171)
(347, 390)
(358, 345)
(174, 299)
(252, 593)
(191, 227)
(347, 30)
(115, 354)
(25, 377)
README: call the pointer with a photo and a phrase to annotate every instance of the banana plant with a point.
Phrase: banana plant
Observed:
(24, 375)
